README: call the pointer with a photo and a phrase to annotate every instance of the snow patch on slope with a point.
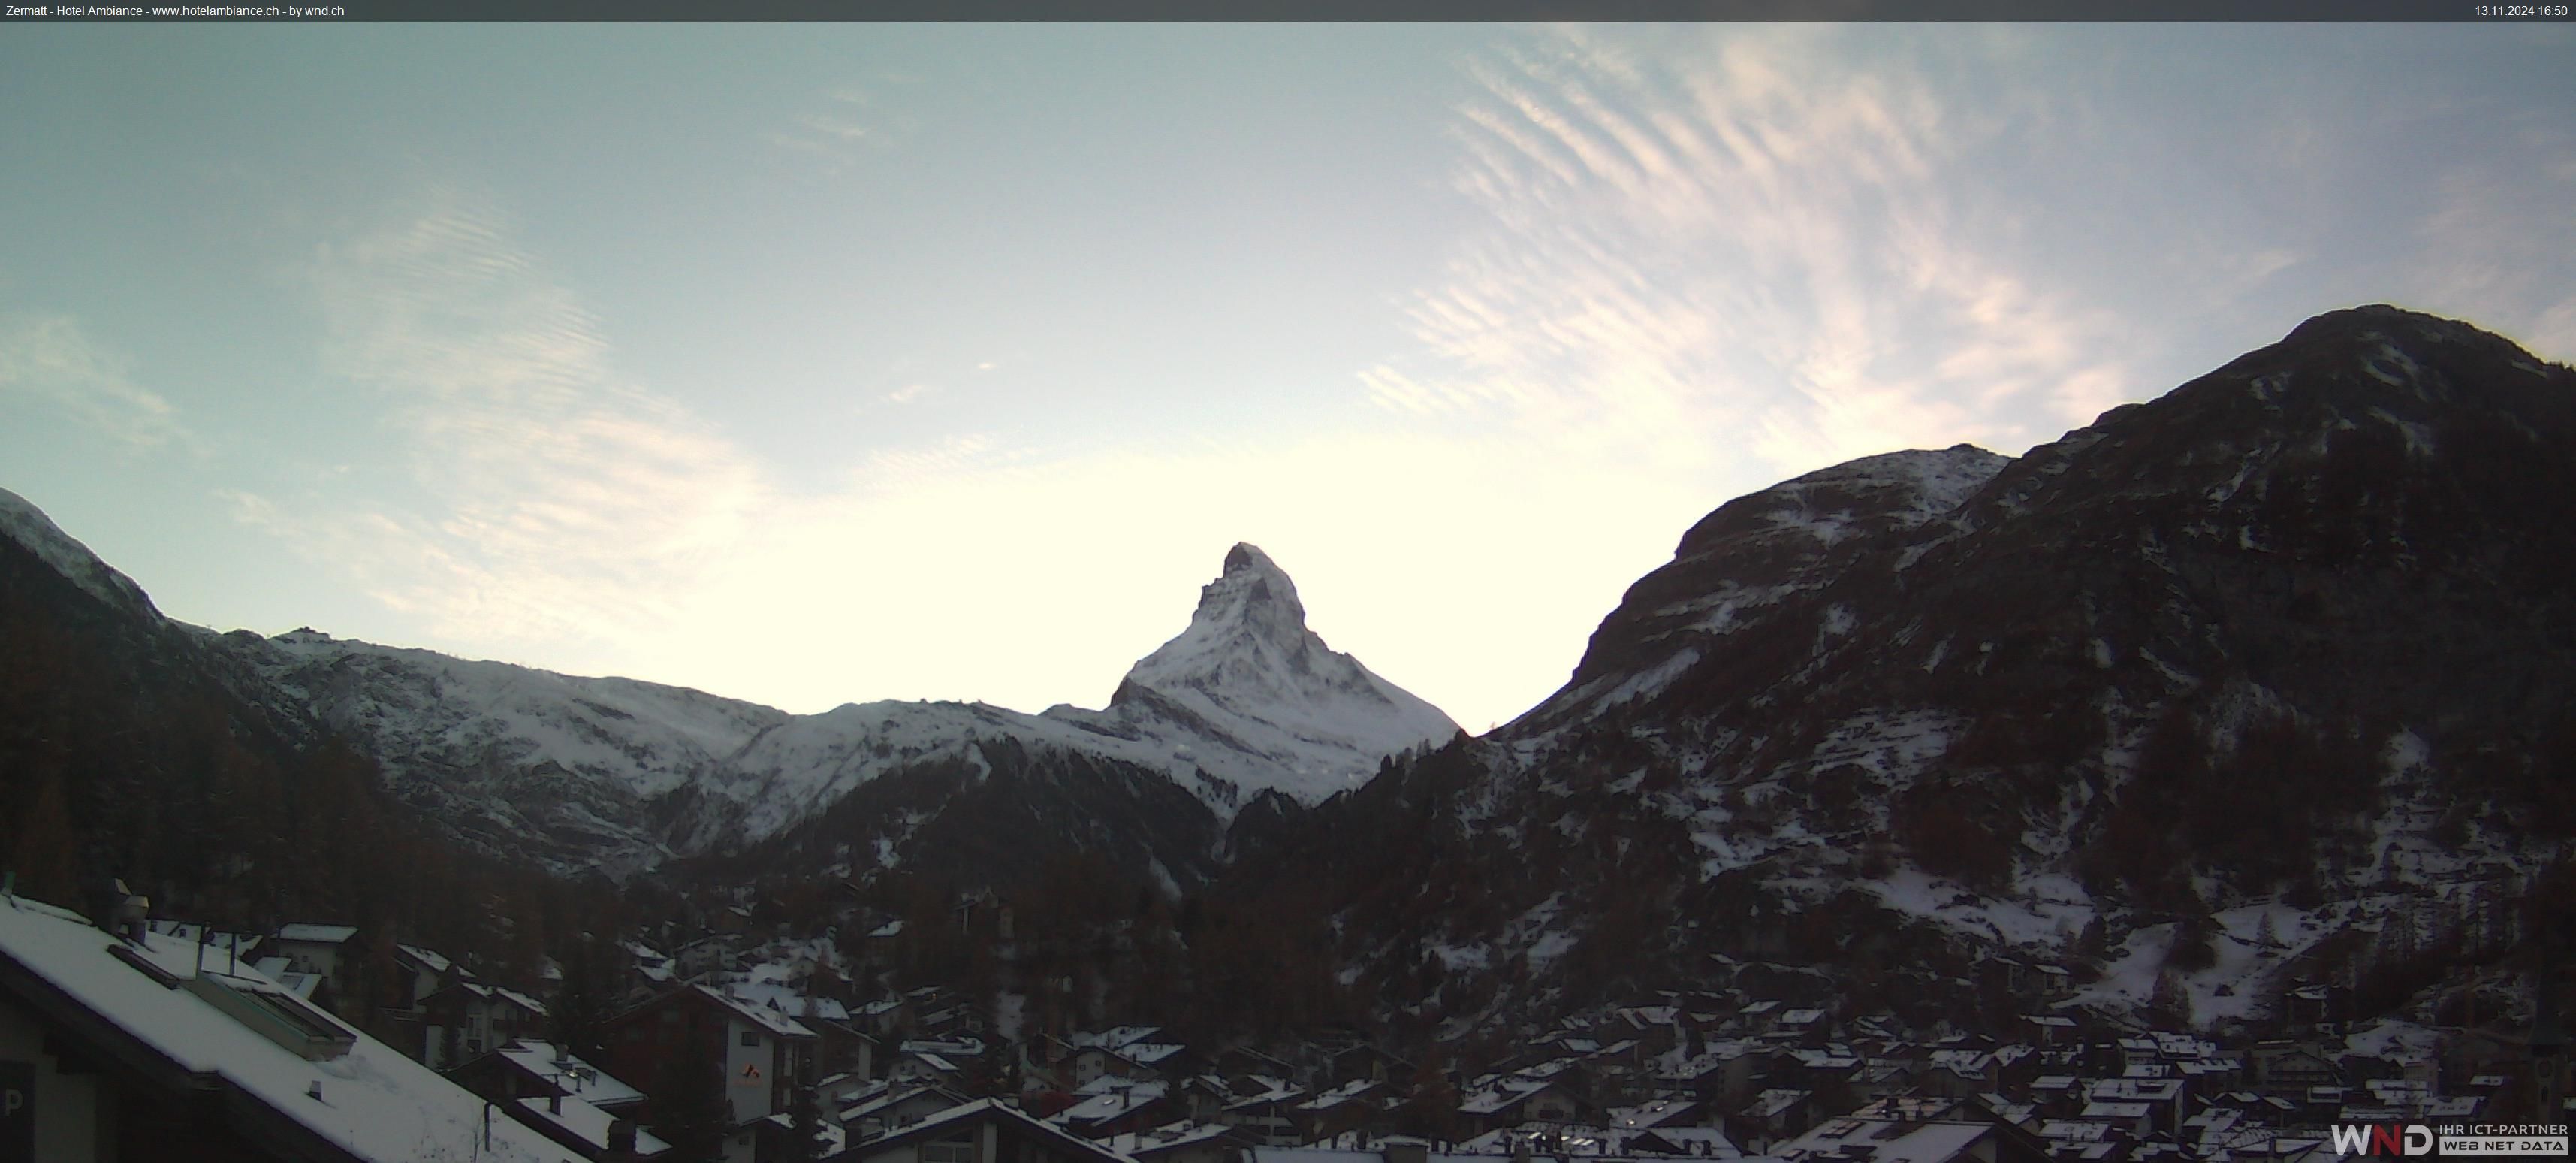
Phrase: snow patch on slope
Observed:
(24, 523)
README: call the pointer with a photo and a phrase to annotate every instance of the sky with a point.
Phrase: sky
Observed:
(825, 364)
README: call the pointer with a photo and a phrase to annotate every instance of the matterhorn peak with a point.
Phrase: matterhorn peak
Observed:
(1252, 695)
(1253, 596)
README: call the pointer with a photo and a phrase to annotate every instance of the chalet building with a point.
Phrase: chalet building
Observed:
(132, 1047)
(2291, 1070)
(2165, 1098)
(1341, 1054)
(763, 1052)
(322, 950)
(1773, 1116)
(983, 1131)
(417, 973)
(1263, 1110)
(1497, 1103)
(468, 1019)
(542, 1071)
(1113, 1106)
(331, 954)
(1352, 1106)
(1203, 1097)
(887, 1106)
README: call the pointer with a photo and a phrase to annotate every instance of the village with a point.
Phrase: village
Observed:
(756, 1048)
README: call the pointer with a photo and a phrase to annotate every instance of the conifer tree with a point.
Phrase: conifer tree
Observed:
(805, 1142)
(691, 1108)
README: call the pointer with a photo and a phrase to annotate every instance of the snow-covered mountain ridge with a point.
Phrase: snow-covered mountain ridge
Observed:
(619, 774)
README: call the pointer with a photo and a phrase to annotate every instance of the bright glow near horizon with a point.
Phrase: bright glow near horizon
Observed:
(811, 365)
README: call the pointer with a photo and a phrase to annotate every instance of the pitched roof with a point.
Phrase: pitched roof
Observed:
(429, 959)
(585, 1122)
(762, 1016)
(324, 934)
(133, 1004)
(978, 1111)
(576, 1077)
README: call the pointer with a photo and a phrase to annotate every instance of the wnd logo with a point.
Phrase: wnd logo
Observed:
(2384, 1139)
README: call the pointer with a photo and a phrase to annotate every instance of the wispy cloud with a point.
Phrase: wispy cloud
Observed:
(542, 496)
(2499, 241)
(1731, 243)
(51, 360)
(844, 121)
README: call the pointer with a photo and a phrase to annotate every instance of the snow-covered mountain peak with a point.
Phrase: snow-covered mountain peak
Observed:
(1252, 696)
(1248, 622)
(24, 523)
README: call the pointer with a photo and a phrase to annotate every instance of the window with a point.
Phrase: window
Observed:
(949, 1151)
(751, 1037)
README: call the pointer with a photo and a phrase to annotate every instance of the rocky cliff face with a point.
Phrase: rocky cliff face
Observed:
(2277, 653)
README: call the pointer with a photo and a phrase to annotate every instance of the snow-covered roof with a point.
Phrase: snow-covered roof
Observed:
(2007, 1109)
(429, 959)
(1649, 1114)
(785, 999)
(373, 1102)
(1168, 1137)
(1884, 1142)
(214, 940)
(1501, 1094)
(1577, 1141)
(576, 1077)
(1112, 1104)
(587, 1123)
(2138, 1089)
(1114, 1038)
(885, 1094)
(320, 934)
(1339, 1095)
(1774, 1102)
(762, 1016)
(995, 1109)
(1265, 1089)
(2075, 1130)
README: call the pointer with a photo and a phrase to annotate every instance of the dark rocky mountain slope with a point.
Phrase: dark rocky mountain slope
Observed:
(2267, 680)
